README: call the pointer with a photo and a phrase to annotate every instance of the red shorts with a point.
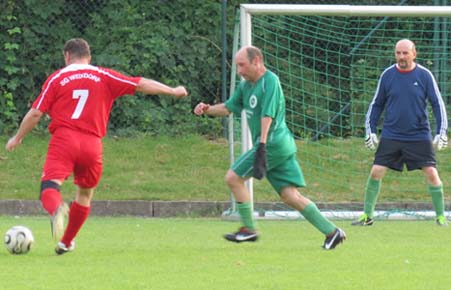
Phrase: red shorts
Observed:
(74, 152)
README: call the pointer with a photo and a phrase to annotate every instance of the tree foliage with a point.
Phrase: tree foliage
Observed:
(171, 41)
(174, 42)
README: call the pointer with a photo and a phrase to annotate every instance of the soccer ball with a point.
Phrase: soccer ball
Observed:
(18, 240)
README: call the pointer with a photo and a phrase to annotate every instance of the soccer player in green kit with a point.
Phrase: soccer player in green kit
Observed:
(260, 95)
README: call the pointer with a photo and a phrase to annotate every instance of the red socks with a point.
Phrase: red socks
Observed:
(77, 217)
(51, 199)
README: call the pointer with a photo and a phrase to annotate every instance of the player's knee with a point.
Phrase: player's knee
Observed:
(377, 172)
(231, 179)
(432, 176)
(49, 184)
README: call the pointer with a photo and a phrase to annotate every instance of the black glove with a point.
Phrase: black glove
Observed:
(260, 162)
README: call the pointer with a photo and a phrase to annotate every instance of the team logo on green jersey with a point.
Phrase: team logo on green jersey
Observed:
(253, 101)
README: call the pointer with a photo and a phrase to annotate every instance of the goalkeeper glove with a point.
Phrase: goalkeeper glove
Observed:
(371, 141)
(260, 162)
(440, 141)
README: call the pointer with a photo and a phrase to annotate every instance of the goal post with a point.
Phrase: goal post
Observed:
(329, 58)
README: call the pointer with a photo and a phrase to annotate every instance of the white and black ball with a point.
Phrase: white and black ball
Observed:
(19, 240)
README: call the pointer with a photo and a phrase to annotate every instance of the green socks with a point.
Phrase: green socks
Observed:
(315, 217)
(437, 198)
(245, 211)
(310, 212)
(371, 192)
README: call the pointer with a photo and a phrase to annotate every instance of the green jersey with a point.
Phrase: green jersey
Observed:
(264, 99)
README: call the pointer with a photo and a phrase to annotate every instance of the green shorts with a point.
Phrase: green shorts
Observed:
(282, 172)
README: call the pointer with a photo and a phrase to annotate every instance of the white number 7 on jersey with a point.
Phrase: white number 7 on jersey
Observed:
(82, 96)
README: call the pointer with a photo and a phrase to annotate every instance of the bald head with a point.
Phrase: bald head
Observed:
(405, 54)
(249, 62)
(406, 44)
(251, 52)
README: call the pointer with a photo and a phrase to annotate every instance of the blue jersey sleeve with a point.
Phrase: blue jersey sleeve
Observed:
(376, 107)
(438, 106)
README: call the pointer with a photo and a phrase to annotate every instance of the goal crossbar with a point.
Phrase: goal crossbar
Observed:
(345, 10)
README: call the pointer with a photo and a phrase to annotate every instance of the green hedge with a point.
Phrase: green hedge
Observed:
(175, 42)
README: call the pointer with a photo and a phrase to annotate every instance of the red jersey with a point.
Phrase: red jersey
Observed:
(80, 97)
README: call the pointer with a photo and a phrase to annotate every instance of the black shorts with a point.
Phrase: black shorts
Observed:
(415, 154)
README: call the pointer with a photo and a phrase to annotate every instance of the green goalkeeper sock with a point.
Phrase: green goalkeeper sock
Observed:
(371, 193)
(315, 217)
(245, 211)
(437, 198)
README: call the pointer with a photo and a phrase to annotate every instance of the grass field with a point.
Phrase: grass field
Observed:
(193, 168)
(164, 254)
(147, 168)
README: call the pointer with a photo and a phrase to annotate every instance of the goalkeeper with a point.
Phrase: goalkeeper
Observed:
(274, 154)
(403, 91)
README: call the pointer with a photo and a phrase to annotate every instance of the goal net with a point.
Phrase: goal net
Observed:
(329, 58)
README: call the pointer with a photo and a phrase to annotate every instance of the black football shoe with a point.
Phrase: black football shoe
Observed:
(242, 235)
(334, 239)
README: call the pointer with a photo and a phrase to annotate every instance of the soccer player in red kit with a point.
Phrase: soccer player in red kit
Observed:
(78, 98)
